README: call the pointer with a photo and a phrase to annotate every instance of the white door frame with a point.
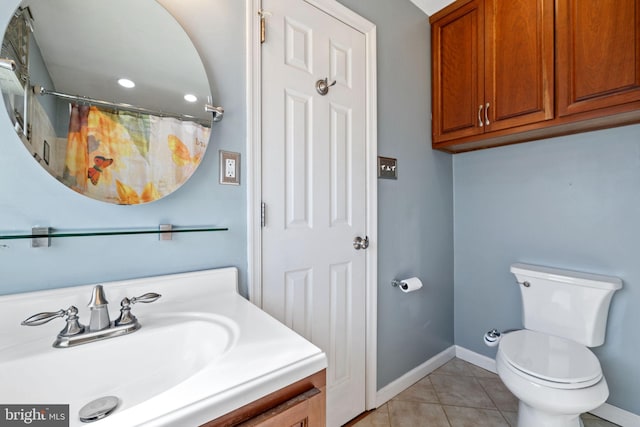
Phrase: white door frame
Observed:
(254, 168)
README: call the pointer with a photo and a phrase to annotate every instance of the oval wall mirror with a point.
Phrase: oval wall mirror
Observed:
(110, 97)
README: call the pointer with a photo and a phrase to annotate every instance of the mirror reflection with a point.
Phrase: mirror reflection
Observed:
(109, 97)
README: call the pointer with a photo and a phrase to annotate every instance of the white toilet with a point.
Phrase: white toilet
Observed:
(547, 365)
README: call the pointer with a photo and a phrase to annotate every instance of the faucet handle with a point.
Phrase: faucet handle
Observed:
(47, 316)
(125, 307)
(73, 325)
(146, 298)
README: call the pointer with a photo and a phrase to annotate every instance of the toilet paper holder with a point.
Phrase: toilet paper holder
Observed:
(399, 283)
(410, 284)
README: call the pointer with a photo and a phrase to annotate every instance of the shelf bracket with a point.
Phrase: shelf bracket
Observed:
(41, 237)
(165, 232)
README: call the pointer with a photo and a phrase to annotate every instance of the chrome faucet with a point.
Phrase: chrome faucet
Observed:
(99, 311)
(100, 327)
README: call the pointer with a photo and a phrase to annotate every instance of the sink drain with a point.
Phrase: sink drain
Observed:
(98, 409)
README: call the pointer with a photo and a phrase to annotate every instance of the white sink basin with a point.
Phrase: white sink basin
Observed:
(164, 352)
(203, 351)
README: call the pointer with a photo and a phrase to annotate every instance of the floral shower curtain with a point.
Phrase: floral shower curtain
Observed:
(128, 158)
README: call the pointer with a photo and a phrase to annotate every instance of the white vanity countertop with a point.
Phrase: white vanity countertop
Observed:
(263, 357)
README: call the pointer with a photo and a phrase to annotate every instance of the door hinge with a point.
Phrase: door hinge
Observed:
(263, 25)
(263, 209)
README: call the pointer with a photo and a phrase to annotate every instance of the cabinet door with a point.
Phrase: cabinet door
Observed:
(519, 62)
(458, 73)
(305, 410)
(598, 54)
(301, 404)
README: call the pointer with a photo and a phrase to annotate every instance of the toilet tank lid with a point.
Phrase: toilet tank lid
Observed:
(567, 276)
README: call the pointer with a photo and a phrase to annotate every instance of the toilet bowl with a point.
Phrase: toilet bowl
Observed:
(548, 365)
(554, 379)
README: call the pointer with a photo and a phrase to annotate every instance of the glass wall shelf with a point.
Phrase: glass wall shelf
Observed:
(164, 231)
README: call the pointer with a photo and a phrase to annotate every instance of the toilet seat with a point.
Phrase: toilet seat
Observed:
(550, 361)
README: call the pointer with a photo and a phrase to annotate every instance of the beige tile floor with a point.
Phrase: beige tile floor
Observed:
(457, 394)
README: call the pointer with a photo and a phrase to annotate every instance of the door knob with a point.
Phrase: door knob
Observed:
(322, 86)
(360, 243)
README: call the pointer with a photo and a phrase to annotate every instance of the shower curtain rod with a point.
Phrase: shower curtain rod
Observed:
(216, 111)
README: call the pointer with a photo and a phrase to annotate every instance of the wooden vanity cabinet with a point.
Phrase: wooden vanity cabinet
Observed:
(598, 61)
(492, 66)
(301, 404)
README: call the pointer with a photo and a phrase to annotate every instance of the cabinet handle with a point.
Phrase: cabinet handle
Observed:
(486, 115)
(480, 116)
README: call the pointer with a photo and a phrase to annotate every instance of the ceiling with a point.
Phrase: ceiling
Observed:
(88, 45)
(431, 6)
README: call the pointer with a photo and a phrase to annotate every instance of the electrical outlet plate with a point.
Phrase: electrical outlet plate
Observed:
(229, 167)
(387, 167)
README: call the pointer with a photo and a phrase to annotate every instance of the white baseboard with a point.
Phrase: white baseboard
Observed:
(477, 359)
(617, 415)
(396, 387)
(607, 412)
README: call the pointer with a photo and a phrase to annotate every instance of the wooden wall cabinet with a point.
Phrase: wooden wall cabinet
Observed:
(458, 73)
(514, 71)
(301, 404)
(598, 54)
(492, 66)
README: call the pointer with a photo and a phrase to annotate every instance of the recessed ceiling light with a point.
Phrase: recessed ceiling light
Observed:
(126, 83)
(190, 98)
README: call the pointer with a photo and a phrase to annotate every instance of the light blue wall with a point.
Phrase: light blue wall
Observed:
(415, 212)
(29, 196)
(571, 202)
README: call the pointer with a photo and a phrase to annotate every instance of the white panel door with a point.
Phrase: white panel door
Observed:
(313, 166)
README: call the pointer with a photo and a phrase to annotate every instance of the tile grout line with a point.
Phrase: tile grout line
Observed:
(435, 392)
(446, 415)
(489, 396)
(492, 400)
(475, 378)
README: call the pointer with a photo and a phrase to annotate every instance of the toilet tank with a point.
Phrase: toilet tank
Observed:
(565, 303)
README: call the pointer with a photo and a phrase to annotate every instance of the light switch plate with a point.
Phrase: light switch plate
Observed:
(229, 167)
(387, 167)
